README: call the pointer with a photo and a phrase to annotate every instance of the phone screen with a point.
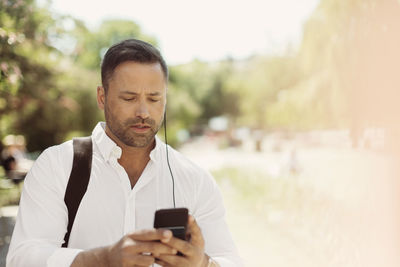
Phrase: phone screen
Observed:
(173, 219)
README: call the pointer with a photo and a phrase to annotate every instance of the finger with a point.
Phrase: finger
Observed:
(151, 234)
(140, 260)
(196, 237)
(170, 251)
(174, 260)
(153, 247)
(183, 246)
(162, 263)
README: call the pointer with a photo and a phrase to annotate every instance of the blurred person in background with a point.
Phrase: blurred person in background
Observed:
(14, 158)
(129, 181)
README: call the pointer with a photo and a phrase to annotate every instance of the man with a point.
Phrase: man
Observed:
(129, 181)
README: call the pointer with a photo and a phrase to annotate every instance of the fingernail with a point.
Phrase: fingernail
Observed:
(174, 251)
(167, 234)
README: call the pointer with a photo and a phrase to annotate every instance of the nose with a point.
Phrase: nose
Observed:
(142, 110)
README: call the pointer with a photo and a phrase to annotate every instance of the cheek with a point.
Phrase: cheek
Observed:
(120, 107)
(158, 111)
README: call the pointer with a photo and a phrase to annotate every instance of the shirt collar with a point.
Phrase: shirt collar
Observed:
(108, 148)
(155, 153)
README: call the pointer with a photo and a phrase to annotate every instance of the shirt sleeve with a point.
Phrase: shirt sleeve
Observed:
(210, 215)
(42, 217)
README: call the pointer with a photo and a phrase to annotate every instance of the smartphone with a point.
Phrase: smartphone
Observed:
(173, 219)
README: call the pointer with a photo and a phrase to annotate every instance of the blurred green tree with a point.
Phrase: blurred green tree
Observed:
(92, 45)
(198, 91)
(258, 83)
(30, 103)
(49, 72)
(352, 46)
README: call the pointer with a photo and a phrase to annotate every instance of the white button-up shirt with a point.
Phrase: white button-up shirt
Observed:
(111, 208)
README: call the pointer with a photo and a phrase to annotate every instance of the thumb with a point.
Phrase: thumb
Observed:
(196, 237)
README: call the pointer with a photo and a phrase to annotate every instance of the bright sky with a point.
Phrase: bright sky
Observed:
(208, 29)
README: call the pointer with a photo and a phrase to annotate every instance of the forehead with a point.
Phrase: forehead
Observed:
(135, 75)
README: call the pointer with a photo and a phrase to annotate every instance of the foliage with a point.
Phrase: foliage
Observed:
(46, 90)
(355, 43)
(199, 92)
(258, 83)
(50, 64)
(29, 101)
(92, 45)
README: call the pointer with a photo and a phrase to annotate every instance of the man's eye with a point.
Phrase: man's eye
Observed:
(154, 100)
(128, 99)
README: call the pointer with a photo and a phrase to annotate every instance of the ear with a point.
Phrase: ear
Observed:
(101, 97)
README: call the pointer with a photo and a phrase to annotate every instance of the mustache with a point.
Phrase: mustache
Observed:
(147, 121)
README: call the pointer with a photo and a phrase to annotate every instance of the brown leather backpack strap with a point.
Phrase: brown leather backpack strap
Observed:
(78, 179)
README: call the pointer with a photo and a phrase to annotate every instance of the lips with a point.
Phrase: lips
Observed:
(140, 128)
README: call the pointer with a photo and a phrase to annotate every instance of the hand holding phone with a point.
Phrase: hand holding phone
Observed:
(173, 219)
(192, 250)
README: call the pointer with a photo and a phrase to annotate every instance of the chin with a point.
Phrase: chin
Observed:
(139, 142)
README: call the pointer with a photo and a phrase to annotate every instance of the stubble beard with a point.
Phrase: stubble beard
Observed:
(123, 131)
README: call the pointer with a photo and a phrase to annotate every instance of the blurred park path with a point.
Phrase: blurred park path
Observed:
(7, 221)
(319, 215)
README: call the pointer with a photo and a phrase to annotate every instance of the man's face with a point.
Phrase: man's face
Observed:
(135, 102)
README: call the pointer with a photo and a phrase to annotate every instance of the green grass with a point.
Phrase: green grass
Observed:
(259, 191)
(292, 208)
(297, 202)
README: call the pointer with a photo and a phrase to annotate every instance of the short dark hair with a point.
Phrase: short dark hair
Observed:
(130, 50)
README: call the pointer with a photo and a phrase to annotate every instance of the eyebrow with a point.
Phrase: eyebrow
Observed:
(134, 93)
